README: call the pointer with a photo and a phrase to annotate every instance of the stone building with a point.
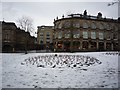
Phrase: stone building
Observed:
(24, 41)
(8, 36)
(78, 32)
(14, 39)
(45, 37)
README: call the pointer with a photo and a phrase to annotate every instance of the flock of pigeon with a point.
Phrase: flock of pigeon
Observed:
(60, 61)
(112, 53)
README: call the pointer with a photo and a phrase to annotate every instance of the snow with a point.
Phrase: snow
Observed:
(33, 70)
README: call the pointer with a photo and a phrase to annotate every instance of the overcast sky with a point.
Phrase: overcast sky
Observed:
(43, 13)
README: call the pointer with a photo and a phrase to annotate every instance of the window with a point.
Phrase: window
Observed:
(76, 34)
(76, 24)
(101, 26)
(41, 37)
(7, 38)
(108, 36)
(67, 24)
(85, 34)
(108, 27)
(85, 45)
(60, 35)
(101, 35)
(93, 35)
(85, 25)
(93, 26)
(115, 36)
(47, 33)
(41, 34)
(48, 38)
(67, 34)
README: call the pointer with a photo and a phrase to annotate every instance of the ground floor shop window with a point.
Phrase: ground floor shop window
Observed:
(93, 45)
(108, 46)
(115, 46)
(101, 46)
(76, 45)
(66, 46)
(60, 45)
(85, 45)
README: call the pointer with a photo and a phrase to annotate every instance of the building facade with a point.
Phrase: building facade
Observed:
(14, 39)
(24, 41)
(79, 32)
(45, 37)
(8, 36)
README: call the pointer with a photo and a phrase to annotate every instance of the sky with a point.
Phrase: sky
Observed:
(44, 12)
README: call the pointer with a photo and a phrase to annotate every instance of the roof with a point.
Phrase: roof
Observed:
(87, 17)
(8, 23)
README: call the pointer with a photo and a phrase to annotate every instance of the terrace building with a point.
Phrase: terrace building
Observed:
(14, 39)
(78, 32)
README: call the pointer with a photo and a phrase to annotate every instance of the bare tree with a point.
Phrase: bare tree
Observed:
(26, 23)
(114, 2)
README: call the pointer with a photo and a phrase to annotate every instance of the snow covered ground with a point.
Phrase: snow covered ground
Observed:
(60, 70)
